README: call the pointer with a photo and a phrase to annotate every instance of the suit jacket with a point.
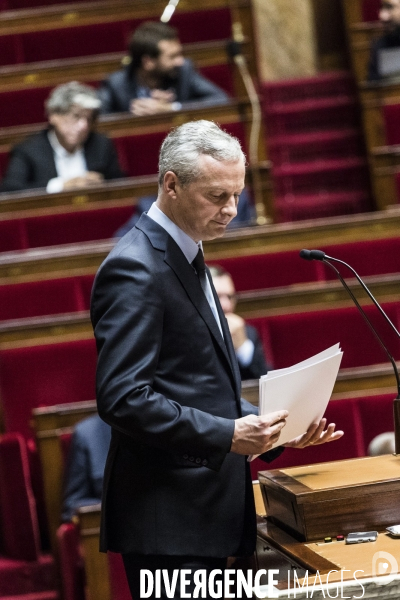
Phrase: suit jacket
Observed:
(169, 386)
(258, 365)
(32, 162)
(389, 40)
(121, 87)
(86, 461)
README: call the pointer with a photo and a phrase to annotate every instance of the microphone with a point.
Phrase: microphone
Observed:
(320, 255)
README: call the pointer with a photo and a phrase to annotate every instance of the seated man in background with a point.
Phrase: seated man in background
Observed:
(68, 154)
(86, 462)
(380, 65)
(246, 341)
(158, 78)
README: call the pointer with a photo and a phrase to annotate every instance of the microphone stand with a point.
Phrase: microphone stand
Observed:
(320, 255)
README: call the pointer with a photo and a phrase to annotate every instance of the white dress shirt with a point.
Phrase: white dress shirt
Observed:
(68, 164)
(188, 247)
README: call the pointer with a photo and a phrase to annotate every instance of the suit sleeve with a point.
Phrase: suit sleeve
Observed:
(128, 319)
(19, 172)
(78, 490)
(201, 89)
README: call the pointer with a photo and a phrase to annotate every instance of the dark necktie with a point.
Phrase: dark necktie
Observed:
(200, 267)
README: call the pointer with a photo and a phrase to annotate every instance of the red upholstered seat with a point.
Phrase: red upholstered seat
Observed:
(4, 157)
(12, 236)
(23, 568)
(19, 525)
(118, 581)
(370, 10)
(43, 376)
(376, 415)
(11, 51)
(71, 562)
(391, 115)
(291, 338)
(77, 226)
(22, 107)
(46, 297)
(260, 271)
(221, 75)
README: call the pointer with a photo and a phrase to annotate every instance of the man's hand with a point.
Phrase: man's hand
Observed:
(87, 180)
(160, 101)
(237, 327)
(255, 435)
(316, 434)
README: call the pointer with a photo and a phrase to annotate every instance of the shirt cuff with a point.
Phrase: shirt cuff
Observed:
(245, 353)
(55, 185)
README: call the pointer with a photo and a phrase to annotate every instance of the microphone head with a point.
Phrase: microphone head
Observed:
(312, 254)
(306, 254)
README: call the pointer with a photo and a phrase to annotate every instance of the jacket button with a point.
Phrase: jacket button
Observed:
(198, 460)
(186, 456)
(191, 458)
(204, 462)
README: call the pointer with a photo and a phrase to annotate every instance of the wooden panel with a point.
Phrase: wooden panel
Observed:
(86, 258)
(334, 498)
(94, 68)
(49, 423)
(260, 303)
(96, 563)
(61, 16)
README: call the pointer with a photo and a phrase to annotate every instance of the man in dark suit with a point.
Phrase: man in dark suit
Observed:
(177, 486)
(86, 461)
(246, 341)
(158, 78)
(389, 16)
(69, 154)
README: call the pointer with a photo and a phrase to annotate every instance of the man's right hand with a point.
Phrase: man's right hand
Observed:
(257, 434)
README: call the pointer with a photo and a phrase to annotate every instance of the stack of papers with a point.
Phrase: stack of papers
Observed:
(303, 390)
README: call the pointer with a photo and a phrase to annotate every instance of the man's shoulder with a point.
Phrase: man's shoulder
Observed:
(34, 141)
(118, 77)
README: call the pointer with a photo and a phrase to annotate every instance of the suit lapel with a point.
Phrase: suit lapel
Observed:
(177, 261)
(175, 258)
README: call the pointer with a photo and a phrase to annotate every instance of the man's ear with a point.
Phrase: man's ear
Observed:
(170, 183)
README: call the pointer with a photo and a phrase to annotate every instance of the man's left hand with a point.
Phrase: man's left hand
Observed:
(316, 434)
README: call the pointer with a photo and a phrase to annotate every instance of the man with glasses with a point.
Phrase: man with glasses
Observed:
(68, 154)
(384, 60)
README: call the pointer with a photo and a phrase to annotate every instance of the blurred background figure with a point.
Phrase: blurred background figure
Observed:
(247, 343)
(68, 154)
(382, 444)
(385, 51)
(158, 78)
(86, 462)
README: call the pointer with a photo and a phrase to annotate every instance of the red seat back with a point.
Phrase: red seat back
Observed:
(19, 525)
(71, 562)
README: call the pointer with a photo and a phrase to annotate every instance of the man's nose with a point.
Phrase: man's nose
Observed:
(230, 208)
(384, 15)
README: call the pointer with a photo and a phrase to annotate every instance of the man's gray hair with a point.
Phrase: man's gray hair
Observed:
(64, 96)
(182, 147)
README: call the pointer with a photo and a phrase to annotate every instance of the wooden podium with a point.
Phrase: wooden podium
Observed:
(328, 499)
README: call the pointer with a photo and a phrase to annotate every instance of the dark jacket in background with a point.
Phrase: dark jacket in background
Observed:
(390, 40)
(258, 365)
(86, 461)
(32, 163)
(121, 87)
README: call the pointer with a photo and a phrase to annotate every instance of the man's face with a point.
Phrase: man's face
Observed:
(169, 60)
(389, 14)
(73, 127)
(226, 293)
(204, 207)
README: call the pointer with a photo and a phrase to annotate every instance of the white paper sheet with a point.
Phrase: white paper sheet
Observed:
(303, 390)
